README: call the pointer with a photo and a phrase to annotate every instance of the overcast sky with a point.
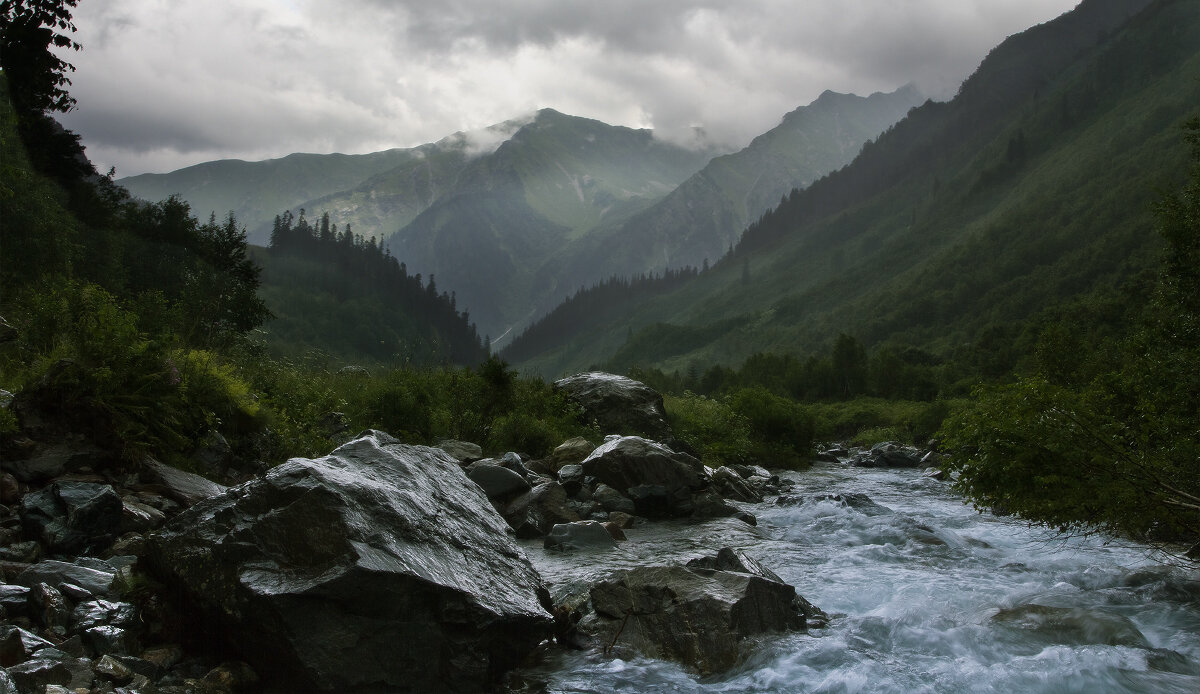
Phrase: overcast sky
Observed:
(163, 84)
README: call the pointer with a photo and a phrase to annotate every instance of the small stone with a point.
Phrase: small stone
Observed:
(462, 451)
(615, 530)
(165, 657)
(578, 535)
(232, 675)
(622, 520)
(571, 452)
(10, 489)
(612, 500)
(110, 640)
(50, 606)
(112, 670)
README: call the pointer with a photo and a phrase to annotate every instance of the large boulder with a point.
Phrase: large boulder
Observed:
(619, 405)
(377, 567)
(630, 461)
(73, 517)
(696, 616)
(535, 512)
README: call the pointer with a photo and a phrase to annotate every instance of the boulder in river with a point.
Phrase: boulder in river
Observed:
(630, 461)
(619, 405)
(696, 616)
(377, 567)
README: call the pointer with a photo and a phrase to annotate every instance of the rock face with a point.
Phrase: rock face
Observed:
(696, 616)
(378, 567)
(618, 404)
(631, 461)
(73, 517)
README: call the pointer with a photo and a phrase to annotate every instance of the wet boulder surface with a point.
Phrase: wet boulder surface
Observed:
(697, 615)
(378, 567)
(618, 404)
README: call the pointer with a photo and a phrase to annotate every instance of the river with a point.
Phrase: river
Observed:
(930, 597)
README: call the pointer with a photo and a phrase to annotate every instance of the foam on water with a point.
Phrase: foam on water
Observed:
(929, 597)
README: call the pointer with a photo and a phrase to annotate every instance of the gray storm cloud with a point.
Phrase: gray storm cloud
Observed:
(166, 84)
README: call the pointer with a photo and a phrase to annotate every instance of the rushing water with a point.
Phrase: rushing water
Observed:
(933, 597)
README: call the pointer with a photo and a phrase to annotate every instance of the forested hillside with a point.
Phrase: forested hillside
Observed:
(343, 295)
(966, 228)
(702, 218)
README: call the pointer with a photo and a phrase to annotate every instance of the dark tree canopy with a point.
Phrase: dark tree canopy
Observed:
(29, 30)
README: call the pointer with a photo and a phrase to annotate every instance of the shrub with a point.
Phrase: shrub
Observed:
(711, 427)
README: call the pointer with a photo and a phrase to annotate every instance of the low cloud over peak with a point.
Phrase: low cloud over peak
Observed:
(164, 85)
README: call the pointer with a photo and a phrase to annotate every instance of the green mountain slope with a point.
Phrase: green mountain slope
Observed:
(257, 191)
(964, 222)
(705, 215)
(555, 181)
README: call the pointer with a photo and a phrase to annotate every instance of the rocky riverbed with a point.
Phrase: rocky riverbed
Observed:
(388, 567)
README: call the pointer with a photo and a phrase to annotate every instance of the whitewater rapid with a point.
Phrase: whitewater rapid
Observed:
(931, 597)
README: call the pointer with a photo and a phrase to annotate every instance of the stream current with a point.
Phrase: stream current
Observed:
(929, 597)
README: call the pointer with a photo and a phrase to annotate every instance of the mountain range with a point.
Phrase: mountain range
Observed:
(962, 230)
(516, 217)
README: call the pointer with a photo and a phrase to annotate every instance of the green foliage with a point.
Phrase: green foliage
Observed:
(710, 427)
(1120, 451)
(332, 290)
(82, 354)
(781, 430)
(871, 418)
(29, 29)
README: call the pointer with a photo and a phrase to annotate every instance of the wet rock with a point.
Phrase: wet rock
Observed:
(534, 513)
(1073, 625)
(615, 531)
(621, 520)
(613, 501)
(14, 599)
(619, 405)
(231, 676)
(571, 452)
(888, 454)
(730, 484)
(7, 685)
(18, 645)
(22, 552)
(571, 478)
(934, 473)
(664, 479)
(587, 534)
(55, 459)
(10, 489)
(498, 483)
(137, 517)
(50, 607)
(112, 670)
(55, 573)
(73, 517)
(184, 487)
(860, 502)
(462, 451)
(699, 617)
(110, 639)
(165, 656)
(213, 455)
(729, 559)
(318, 570)
(39, 674)
(103, 612)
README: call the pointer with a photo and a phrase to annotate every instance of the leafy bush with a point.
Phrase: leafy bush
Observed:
(711, 427)
(781, 430)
